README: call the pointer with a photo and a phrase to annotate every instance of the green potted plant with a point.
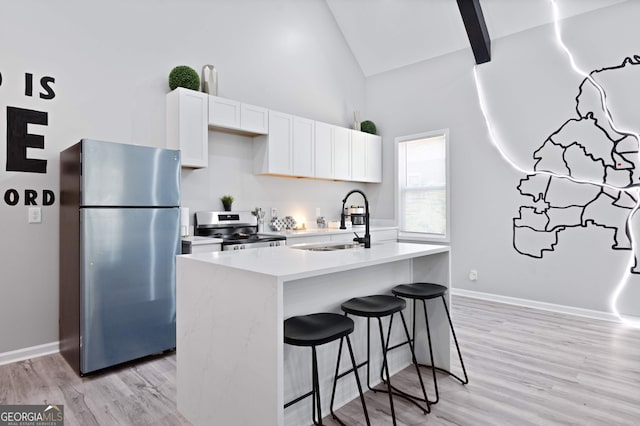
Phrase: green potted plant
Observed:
(368, 126)
(227, 200)
(184, 76)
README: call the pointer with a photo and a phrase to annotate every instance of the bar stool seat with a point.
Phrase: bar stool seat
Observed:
(424, 292)
(375, 306)
(419, 290)
(314, 330)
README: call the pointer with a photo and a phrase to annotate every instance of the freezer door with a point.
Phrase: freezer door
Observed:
(127, 287)
(115, 174)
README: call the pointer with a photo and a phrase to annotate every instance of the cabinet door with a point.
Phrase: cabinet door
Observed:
(358, 153)
(254, 119)
(341, 153)
(373, 155)
(224, 113)
(323, 150)
(279, 143)
(303, 137)
(187, 126)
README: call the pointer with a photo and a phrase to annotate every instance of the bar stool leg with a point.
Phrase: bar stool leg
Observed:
(355, 371)
(415, 363)
(433, 366)
(316, 389)
(455, 339)
(386, 367)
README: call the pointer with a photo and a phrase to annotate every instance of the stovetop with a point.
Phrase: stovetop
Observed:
(231, 227)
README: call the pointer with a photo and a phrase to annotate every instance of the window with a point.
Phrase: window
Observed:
(422, 192)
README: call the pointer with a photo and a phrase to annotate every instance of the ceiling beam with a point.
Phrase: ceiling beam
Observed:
(473, 19)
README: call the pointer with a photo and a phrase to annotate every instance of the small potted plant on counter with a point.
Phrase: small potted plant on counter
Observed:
(227, 201)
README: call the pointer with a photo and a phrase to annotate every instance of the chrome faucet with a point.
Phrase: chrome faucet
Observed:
(367, 237)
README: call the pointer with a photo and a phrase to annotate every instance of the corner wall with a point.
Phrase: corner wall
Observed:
(110, 62)
(531, 91)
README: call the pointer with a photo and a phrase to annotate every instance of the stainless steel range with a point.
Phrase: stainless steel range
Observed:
(238, 230)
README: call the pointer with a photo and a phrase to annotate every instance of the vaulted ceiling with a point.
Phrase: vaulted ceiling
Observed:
(389, 34)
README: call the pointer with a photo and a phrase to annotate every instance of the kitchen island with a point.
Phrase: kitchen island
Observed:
(233, 367)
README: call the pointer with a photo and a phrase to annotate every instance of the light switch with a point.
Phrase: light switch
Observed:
(35, 215)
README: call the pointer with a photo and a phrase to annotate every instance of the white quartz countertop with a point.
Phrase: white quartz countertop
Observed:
(287, 263)
(202, 240)
(325, 231)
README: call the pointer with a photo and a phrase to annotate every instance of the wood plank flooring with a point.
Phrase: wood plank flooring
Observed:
(526, 367)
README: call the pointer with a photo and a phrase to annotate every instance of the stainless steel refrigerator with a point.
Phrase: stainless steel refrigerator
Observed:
(119, 235)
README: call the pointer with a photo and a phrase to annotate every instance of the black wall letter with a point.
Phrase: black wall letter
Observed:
(45, 83)
(30, 197)
(28, 84)
(18, 140)
(11, 197)
(48, 197)
(0, 79)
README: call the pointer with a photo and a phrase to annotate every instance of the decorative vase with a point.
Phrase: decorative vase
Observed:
(226, 206)
(209, 80)
(356, 120)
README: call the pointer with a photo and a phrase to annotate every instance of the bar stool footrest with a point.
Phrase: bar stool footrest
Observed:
(411, 398)
(442, 370)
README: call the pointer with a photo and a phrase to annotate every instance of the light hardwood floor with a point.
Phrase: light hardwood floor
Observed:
(526, 367)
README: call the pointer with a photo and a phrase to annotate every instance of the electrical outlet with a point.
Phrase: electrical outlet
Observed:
(274, 212)
(473, 275)
(35, 215)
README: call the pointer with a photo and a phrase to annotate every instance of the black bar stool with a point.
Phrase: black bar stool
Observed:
(315, 330)
(424, 292)
(380, 306)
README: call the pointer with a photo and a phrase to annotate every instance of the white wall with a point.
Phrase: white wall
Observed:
(110, 61)
(531, 91)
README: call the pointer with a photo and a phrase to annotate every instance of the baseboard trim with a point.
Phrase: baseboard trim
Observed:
(27, 353)
(563, 309)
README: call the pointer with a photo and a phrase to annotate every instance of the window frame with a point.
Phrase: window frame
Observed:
(423, 236)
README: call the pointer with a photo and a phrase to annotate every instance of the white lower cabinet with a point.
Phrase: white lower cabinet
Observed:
(307, 239)
(187, 126)
(377, 236)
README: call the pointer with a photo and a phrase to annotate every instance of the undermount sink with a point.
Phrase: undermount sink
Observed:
(326, 247)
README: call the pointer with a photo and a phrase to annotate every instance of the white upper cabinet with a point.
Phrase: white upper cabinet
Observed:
(234, 116)
(358, 156)
(288, 149)
(254, 119)
(366, 157)
(303, 147)
(323, 159)
(342, 153)
(224, 113)
(373, 158)
(187, 126)
(283, 144)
